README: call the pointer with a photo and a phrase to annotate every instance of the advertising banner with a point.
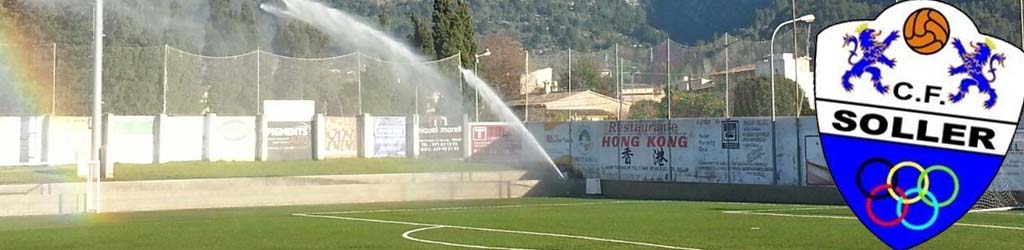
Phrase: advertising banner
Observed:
(441, 138)
(752, 162)
(233, 138)
(815, 169)
(644, 147)
(389, 136)
(703, 159)
(595, 152)
(289, 141)
(1011, 174)
(556, 138)
(342, 137)
(495, 142)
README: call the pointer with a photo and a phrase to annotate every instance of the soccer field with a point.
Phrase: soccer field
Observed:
(529, 223)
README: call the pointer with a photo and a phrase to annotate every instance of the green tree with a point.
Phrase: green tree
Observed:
(644, 110)
(587, 74)
(454, 32)
(231, 28)
(699, 103)
(752, 97)
(422, 36)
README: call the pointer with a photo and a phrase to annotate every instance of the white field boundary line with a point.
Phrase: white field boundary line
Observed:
(770, 213)
(479, 207)
(497, 231)
(408, 235)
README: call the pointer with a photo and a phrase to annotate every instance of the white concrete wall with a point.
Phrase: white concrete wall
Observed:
(68, 139)
(131, 139)
(232, 138)
(180, 138)
(10, 140)
(128, 196)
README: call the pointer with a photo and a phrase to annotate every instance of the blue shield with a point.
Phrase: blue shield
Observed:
(916, 111)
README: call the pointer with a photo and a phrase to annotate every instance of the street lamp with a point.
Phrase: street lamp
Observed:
(806, 19)
(476, 71)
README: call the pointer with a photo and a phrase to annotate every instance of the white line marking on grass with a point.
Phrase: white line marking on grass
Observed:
(408, 235)
(764, 213)
(479, 207)
(496, 231)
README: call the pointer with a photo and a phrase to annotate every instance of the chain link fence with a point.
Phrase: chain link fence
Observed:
(723, 78)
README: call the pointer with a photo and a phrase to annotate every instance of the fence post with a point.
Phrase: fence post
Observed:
(261, 141)
(412, 136)
(158, 136)
(107, 169)
(208, 133)
(365, 142)
(319, 133)
(467, 139)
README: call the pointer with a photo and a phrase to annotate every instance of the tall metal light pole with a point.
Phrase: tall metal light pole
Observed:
(570, 79)
(668, 75)
(476, 71)
(807, 19)
(97, 86)
(727, 69)
(526, 80)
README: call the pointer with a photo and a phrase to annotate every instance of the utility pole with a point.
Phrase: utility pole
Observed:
(97, 87)
(668, 74)
(570, 79)
(526, 81)
(53, 83)
(727, 69)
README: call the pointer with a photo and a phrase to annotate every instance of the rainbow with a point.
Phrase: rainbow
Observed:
(26, 74)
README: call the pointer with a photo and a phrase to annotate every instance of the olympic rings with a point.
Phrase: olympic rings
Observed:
(902, 211)
(903, 201)
(956, 184)
(871, 213)
(860, 176)
(892, 172)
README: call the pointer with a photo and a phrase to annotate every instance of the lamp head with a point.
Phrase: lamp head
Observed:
(807, 19)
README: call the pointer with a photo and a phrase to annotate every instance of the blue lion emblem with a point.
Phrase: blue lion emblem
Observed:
(974, 65)
(873, 53)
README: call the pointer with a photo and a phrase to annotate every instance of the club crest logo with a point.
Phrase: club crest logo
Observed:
(914, 122)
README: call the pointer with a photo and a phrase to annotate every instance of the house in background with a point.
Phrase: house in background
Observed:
(539, 81)
(578, 105)
(798, 70)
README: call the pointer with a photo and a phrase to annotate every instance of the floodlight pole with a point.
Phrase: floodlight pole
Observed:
(97, 86)
(569, 83)
(476, 71)
(727, 69)
(259, 108)
(53, 83)
(163, 96)
(359, 80)
(808, 19)
(668, 75)
(526, 77)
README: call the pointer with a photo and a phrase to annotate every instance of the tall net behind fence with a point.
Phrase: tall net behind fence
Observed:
(331, 82)
(74, 81)
(132, 80)
(197, 84)
(27, 79)
(404, 88)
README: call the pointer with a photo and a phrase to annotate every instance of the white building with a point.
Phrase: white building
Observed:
(798, 70)
(541, 80)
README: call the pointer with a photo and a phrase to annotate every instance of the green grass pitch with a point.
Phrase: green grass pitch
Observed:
(529, 223)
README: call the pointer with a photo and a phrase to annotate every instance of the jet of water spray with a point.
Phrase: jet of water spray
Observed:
(505, 114)
(343, 27)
